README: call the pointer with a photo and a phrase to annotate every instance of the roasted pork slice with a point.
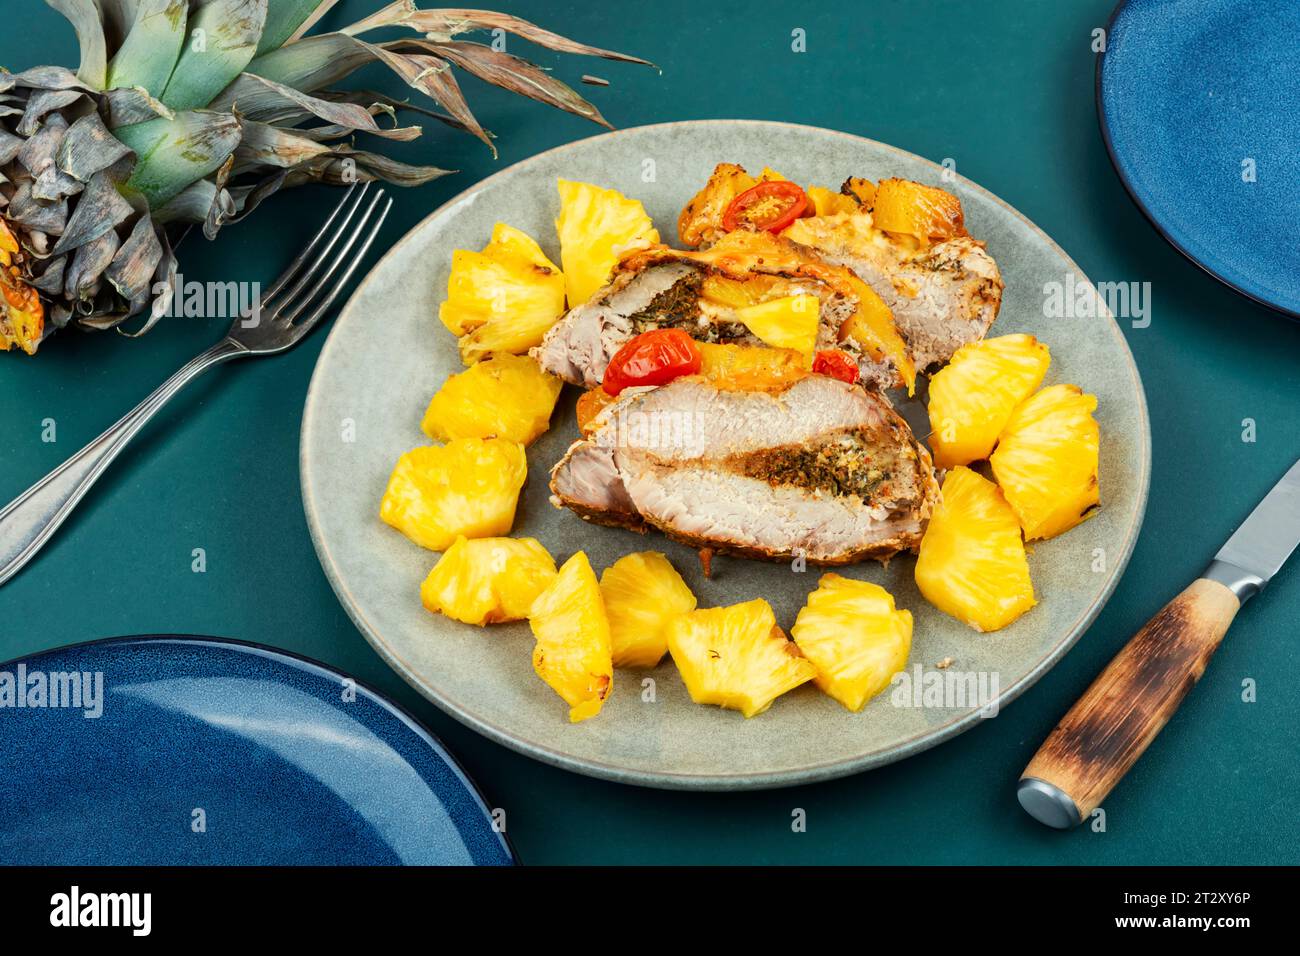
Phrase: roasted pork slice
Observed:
(821, 470)
(942, 296)
(662, 287)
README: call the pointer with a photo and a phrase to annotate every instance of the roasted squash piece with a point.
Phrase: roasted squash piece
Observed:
(926, 213)
(749, 368)
(572, 653)
(468, 487)
(1046, 461)
(488, 580)
(701, 218)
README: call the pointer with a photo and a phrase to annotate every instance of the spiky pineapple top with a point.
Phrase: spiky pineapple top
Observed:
(195, 111)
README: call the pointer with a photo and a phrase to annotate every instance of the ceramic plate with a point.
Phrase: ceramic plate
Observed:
(182, 750)
(1197, 100)
(387, 354)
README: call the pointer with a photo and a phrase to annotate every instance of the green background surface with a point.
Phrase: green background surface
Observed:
(1006, 90)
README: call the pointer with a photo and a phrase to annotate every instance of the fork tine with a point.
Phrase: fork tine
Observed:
(297, 302)
(305, 324)
(352, 198)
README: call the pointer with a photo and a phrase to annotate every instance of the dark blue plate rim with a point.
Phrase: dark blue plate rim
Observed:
(428, 737)
(1103, 123)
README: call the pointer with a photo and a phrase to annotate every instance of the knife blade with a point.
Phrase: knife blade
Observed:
(1269, 535)
(1128, 704)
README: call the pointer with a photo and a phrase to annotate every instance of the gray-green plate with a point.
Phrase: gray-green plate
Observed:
(388, 353)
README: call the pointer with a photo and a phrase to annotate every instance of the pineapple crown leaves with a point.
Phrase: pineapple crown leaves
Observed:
(195, 111)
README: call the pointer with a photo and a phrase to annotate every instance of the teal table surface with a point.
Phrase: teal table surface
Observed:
(1004, 89)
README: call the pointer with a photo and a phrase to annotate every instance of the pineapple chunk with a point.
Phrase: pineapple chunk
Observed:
(751, 367)
(597, 226)
(926, 213)
(505, 396)
(736, 657)
(972, 561)
(701, 218)
(470, 487)
(1047, 458)
(854, 637)
(827, 203)
(22, 315)
(488, 580)
(863, 190)
(734, 294)
(642, 592)
(504, 298)
(973, 396)
(789, 322)
(572, 653)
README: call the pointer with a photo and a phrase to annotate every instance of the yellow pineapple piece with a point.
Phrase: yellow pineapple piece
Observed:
(925, 213)
(469, 486)
(22, 315)
(572, 653)
(1046, 461)
(642, 592)
(751, 367)
(789, 322)
(855, 638)
(597, 226)
(736, 657)
(504, 298)
(701, 218)
(972, 561)
(488, 580)
(863, 190)
(733, 294)
(827, 203)
(504, 396)
(972, 397)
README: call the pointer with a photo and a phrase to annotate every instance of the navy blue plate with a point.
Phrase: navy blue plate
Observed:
(1200, 107)
(199, 750)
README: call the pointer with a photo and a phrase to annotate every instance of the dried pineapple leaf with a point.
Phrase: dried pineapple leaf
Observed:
(43, 78)
(152, 47)
(130, 105)
(84, 15)
(88, 265)
(266, 101)
(89, 147)
(389, 104)
(133, 266)
(40, 105)
(232, 30)
(265, 145)
(516, 75)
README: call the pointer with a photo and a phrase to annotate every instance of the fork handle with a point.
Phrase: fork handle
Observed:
(29, 521)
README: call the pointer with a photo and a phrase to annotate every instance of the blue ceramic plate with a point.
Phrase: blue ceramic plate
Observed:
(197, 750)
(1198, 104)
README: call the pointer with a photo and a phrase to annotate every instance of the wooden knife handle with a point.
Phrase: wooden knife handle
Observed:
(1106, 731)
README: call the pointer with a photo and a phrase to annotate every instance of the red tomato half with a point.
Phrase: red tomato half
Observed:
(652, 358)
(836, 364)
(771, 205)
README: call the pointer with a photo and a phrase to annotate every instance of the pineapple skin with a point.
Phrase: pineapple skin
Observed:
(854, 636)
(470, 487)
(1047, 461)
(975, 394)
(504, 396)
(972, 562)
(573, 653)
(596, 228)
(643, 592)
(736, 657)
(504, 298)
(488, 580)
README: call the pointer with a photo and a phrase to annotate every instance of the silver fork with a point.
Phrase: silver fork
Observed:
(275, 325)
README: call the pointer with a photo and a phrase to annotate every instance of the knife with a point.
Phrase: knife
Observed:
(1115, 721)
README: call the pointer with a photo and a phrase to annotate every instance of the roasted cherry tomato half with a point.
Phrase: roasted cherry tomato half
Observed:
(652, 358)
(836, 364)
(771, 205)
